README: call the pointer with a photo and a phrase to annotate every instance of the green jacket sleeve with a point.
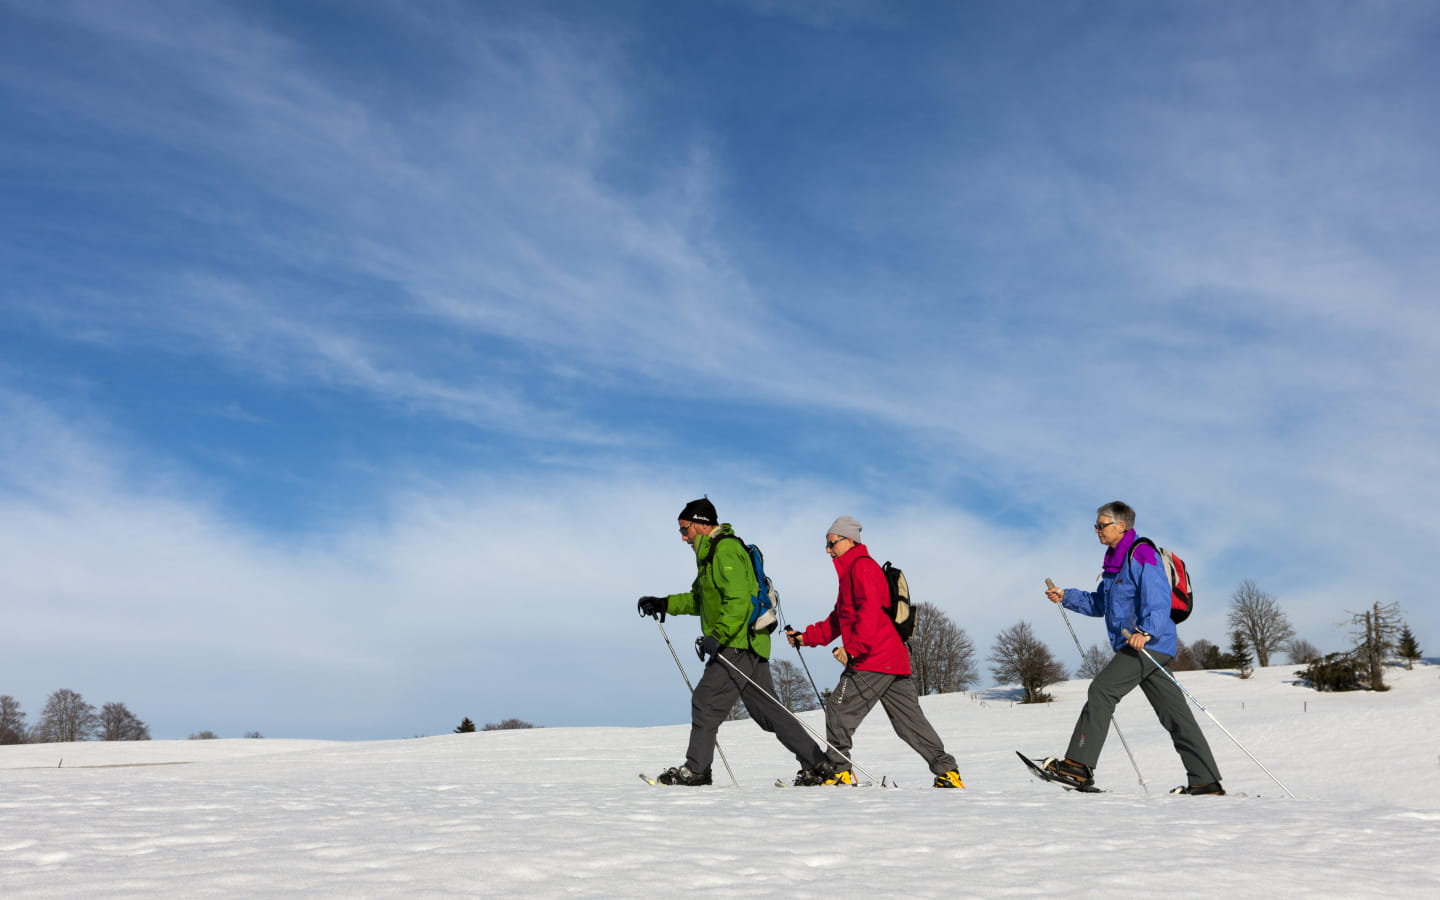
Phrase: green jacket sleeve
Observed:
(682, 605)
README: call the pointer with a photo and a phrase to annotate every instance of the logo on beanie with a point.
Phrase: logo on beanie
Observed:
(701, 512)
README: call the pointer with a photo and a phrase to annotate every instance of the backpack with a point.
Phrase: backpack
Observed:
(902, 613)
(765, 601)
(1182, 595)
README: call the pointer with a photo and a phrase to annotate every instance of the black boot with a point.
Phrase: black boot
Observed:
(680, 775)
(1211, 788)
(812, 777)
(1070, 772)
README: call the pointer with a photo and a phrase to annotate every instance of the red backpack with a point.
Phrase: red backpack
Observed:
(1182, 595)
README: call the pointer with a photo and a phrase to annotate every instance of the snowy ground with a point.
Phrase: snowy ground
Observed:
(559, 811)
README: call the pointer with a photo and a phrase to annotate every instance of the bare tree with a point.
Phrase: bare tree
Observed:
(1301, 652)
(12, 721)
(1021, 657)
(1185, 659)
(66, 717)
(1093, 660)
(1207, 655)
(942, 656)
(1376, 630)
(1258, 616)
(117, 723)
(792, 688)
(206, 735)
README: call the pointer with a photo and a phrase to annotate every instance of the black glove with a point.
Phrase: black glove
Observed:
(709, 645)
(795, 638)
(653, 607)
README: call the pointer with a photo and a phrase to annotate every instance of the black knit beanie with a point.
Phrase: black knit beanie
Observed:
(701, 512)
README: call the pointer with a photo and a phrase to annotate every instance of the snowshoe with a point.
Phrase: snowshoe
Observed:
(1079, 778)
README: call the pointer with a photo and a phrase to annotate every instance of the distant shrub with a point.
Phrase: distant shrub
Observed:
(506, 725)
(204, 736)
(1335, 672)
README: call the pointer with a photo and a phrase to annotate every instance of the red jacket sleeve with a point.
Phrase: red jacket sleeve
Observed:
(823, 631)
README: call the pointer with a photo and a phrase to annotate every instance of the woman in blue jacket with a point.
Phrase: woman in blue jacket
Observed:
(1134, 598)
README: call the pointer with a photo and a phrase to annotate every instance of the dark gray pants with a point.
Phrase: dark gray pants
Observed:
(854, 697)
(715, 696)
(1118, 678)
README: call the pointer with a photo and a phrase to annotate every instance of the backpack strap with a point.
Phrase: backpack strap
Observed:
(705, 566)
(714, 542)
(1159, 559)
(1147, 542)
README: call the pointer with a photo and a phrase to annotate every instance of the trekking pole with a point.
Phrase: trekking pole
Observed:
(786, 627)
(819, 697)
(1217, 723)
(736, 669)
(675, 656)
(1144, 782)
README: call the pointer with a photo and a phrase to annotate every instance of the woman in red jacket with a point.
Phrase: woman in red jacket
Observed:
(877, 664)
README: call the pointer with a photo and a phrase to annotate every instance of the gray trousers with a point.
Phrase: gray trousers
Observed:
(1118, 678)
(854, 697)
(715, 696)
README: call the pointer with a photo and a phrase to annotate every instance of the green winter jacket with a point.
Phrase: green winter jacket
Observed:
(720, 596)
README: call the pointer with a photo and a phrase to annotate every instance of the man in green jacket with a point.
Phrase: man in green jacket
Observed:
(720, 596)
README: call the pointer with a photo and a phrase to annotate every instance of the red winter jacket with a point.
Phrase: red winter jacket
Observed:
(860, 618)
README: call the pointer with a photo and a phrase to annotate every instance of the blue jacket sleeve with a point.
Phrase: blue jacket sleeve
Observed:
(1084, 602)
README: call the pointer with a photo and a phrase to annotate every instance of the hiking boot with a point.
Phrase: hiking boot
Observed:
(844, 776)
(1069, 771)
(1211, 788)
(950, 779)
(812, 777)
(683, 777)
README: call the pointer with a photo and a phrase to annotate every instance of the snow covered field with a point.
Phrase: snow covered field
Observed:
(560, 812)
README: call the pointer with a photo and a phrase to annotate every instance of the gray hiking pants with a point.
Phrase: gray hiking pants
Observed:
(715, 696)
(854, 697)
(1118, 678)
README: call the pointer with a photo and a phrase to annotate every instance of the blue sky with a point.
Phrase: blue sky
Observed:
(356, 359)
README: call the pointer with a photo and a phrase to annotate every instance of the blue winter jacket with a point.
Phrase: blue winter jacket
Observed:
(1133, 594)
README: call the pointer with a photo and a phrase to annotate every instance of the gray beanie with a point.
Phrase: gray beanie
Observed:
(845, 527)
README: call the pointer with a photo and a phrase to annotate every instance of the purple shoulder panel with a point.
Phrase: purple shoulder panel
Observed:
(1145, 555)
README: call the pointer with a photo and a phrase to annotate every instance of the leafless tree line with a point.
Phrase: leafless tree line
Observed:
(66, 718)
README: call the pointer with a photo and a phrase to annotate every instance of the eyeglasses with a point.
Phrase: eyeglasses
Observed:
(685, 529)
(1101, 526)
(830, 545)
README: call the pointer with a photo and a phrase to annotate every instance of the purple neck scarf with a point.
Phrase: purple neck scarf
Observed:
(1115, 556)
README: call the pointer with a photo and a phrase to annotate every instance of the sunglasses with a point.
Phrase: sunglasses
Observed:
(1101, 526)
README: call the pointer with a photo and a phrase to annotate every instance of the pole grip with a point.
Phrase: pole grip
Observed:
(1050, 584)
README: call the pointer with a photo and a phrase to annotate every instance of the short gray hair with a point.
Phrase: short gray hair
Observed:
(1119, 511)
